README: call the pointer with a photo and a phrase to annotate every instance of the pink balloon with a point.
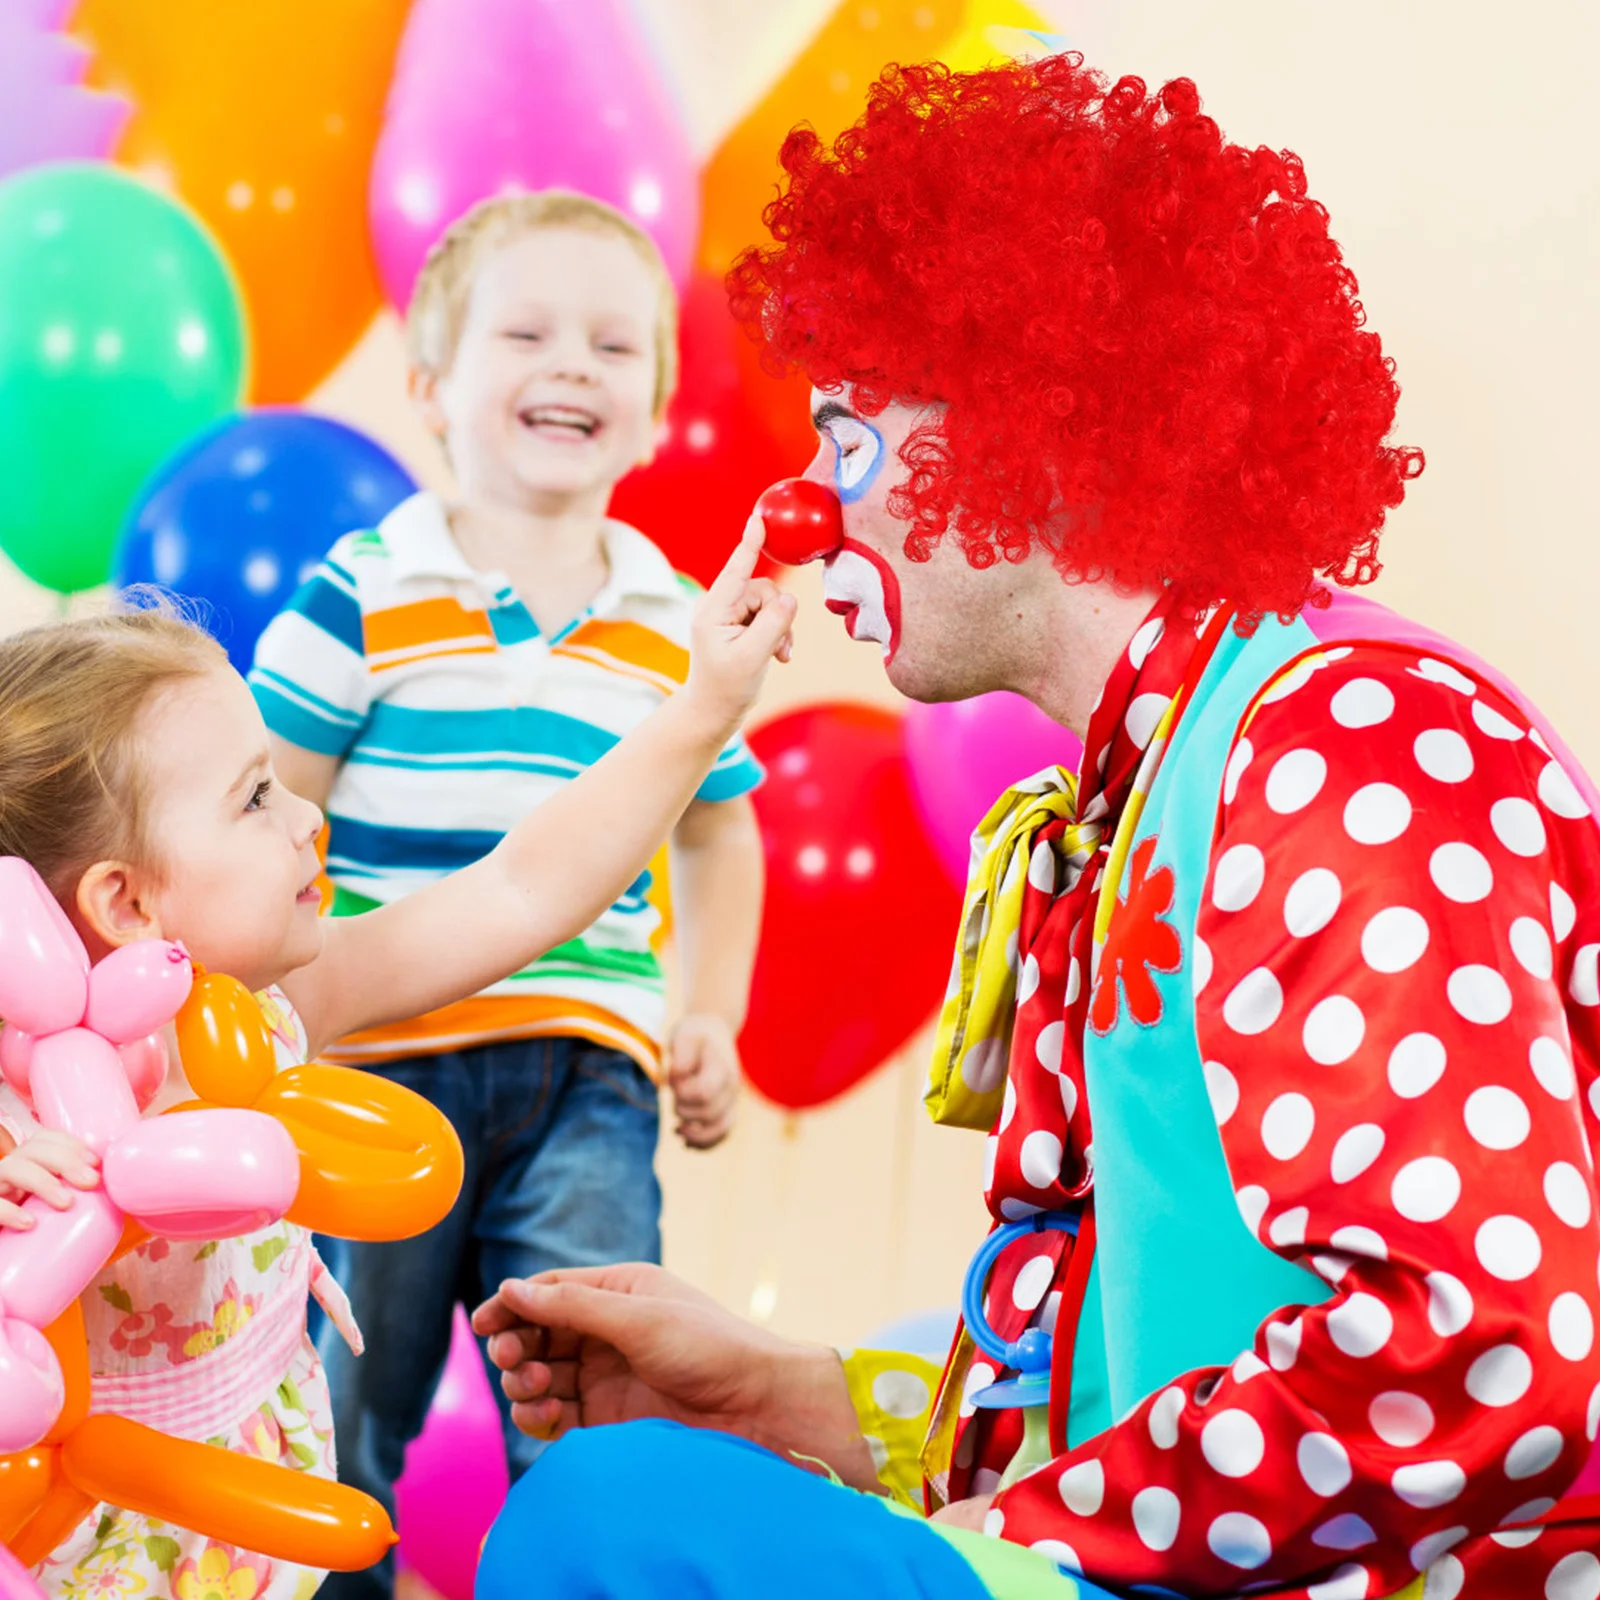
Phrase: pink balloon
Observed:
(44, 969)
(144, 1061)
(44, 1269)
(34, 1388)
(45, 115)
(79, 1086)
(963, 756)
(16, 1061)
(16, 1582)
(494, 95)
(455, 1479)
(137, 989)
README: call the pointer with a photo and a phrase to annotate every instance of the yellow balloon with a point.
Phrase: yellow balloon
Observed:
(994, 31)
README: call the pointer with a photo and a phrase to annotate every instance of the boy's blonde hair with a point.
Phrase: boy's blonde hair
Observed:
(71, 694)
(439, 299)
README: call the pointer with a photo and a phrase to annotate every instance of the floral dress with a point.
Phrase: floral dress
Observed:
(205, 1342)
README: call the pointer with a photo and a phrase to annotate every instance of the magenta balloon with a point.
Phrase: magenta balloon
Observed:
(44, 113)
(455, 1478)
(965, 755)
(490, 95)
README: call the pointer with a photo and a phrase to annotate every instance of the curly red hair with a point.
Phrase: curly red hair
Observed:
(1152, 353)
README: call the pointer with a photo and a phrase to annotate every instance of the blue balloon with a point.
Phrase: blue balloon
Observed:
(241, 514)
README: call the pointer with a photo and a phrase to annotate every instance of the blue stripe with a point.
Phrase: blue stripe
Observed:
(730, 779)
(470, 738)
(337, 612)
(300, 726)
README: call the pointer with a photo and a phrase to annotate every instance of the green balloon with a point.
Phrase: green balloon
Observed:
(121, 336)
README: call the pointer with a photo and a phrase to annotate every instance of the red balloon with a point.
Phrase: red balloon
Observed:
(717, 453)
(802, 519)
(860, 919)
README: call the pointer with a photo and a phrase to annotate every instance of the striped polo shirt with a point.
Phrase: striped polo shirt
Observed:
(455, 716)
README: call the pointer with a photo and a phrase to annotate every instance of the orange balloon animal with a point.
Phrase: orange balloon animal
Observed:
(376, 1162)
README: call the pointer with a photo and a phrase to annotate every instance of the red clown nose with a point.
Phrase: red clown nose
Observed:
(802, 521)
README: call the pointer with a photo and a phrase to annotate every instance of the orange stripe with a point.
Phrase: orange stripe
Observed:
(627, 647)
(484, 1019)
(440, 621)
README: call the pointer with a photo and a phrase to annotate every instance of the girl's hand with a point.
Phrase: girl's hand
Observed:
(739, 626)
(38, 1166)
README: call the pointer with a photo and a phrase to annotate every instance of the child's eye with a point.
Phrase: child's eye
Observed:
(524, 335)
(258, 795)
(619, 349)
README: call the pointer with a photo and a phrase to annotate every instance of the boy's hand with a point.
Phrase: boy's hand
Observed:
(703, 1071)
(37, 1166)
(741, 623)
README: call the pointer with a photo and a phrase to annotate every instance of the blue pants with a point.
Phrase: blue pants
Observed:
(560, 1139)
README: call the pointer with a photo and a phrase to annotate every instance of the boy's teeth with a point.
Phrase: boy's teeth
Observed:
(560, 416)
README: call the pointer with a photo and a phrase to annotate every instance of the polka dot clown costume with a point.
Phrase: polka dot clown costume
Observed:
(1291, 1000)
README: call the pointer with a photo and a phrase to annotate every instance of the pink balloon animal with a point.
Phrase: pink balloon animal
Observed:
(82, 1047)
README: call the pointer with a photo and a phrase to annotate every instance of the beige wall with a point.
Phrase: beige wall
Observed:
(1454, 145)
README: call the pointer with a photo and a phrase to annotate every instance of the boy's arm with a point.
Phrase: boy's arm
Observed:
(718, 878)
(561, 866)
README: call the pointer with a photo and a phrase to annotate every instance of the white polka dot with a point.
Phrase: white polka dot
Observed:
(1560, 794)
(1202, 964)
(1377, 814)
(1283, 1343)
(994, 1522)
(1042, 868)
(1145, 712)
(1400, 1418)
(1394, 939)
(1233, 1444)
(991, 1150)
(1040, 1158)
(1518, 826)
(1362, 703)
(1164, 1416)
(1243, 755)
(1571, 1326)
(1008, 1106)
(1238, 877)
(1155, 1518)
(1444, 755)
(1426, 1551)
(1323, 1464)
(984, 1065)
(1358, 1241)
(1426, 1189)
(1253, 1202)
(1348, 1532)
(1223, 1089)
(1445, 1579)
(1591, 1425)
(1069, 1096)
(985, 1481)
(1047, 1047)
(1584, 984)
(1522, 1537)
(1479, 994)
(1497, 1118)
(1361, 1325)
(1287, 1126)
(1349, 1582)
(1567, 1193)
(1032, 1282)
(1050, 1311)
(1530, 944)
(1415, 1065)
(1334, 1029)
(1508, 1248)
(1426, 1484)
(1295, 781)
(901, 1394)
(1563, 913)
(1240, 1540)
(1491, 723)
(1289, 1227)
(979, 1376)
(1574, 1577)
(1536, 1451)
(1449, 1304)
(1083, 1488)
(1331, 1265)
(1254, 1003)
(1500, 1376)
(1292, 681)
(1552, 1067)
(1054, 1550)
(879, 1450)
(1248, 1366)
(1443, 672)
(1462, 873)
(1028, 981)
(1074, 978)
(1312, 899)
(1143, 642)
(1357, 1149)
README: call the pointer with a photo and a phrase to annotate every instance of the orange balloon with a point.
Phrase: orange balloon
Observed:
(264, 119)
(240, 1500)
(70, 1342)
(224, 1043)
(24, 1483)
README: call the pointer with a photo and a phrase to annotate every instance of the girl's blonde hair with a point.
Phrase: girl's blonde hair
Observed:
(439, 299)
(71, 695)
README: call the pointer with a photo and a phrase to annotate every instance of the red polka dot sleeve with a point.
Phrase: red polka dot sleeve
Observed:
(1398, 1024)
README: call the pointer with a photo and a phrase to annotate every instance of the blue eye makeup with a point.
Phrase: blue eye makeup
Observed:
(857, 456)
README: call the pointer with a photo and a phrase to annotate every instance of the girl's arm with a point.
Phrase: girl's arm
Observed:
(559, 868)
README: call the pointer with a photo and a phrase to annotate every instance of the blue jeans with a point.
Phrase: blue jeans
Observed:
(560, 1139)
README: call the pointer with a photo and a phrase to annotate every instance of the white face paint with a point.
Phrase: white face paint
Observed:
(854, 588)
(857, 445)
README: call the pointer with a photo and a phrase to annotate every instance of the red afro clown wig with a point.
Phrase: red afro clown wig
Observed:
(1152, 355)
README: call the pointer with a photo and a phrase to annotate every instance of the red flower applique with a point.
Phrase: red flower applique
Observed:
(1138, 943)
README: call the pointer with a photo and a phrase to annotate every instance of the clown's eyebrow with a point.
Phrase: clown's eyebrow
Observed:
(831, 411)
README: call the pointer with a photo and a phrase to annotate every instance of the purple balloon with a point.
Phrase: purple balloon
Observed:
(963, 756)
(44, 114)
(496, 95)
(455, 1479)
